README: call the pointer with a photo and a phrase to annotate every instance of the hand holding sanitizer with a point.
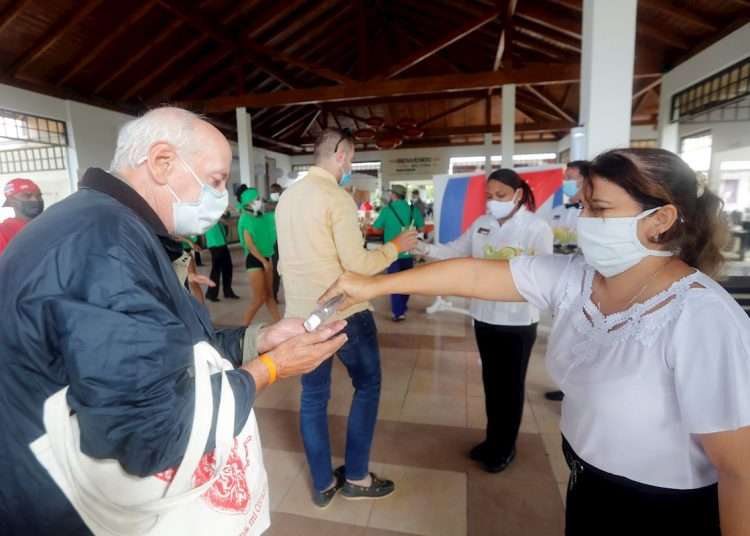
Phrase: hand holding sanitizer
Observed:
(323, 313)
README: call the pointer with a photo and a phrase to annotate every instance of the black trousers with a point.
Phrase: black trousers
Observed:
(505, 352)
(221, 271)
(602, 503)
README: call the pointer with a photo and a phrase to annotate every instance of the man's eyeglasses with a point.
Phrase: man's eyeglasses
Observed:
(346, 134)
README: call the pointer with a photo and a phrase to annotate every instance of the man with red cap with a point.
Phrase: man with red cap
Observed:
(25, 197)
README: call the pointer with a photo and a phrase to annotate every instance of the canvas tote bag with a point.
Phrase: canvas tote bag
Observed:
(222, 492)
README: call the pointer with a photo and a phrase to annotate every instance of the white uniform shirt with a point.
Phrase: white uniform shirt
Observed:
(641, 383)
(564, 223)
(524, 234)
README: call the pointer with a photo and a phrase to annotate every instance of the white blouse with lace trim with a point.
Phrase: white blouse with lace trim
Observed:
(640, 384)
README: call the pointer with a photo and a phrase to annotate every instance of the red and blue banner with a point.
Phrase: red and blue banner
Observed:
(460, 199)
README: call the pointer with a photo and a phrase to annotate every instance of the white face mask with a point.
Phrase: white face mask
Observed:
(275, 197)
(199, 216)
(256, 205)
(611, 245)
(501, 209)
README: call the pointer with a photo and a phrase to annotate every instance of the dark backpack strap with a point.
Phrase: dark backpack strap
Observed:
(390, 206)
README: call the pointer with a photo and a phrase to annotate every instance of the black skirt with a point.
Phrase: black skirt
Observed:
(600, 503)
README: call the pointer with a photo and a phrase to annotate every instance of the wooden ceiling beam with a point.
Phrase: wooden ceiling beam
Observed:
(54, 34)
(297, 122)
(503, 53)
(451, 110)
(240, 45)
(280, 11)
(682, 13)
(311, 123)
(648, 87)
(530, 74)
(301, 21)
(174, 58)
(440, 55)
(91, 55)
(362, 45)
(11, 12)
(539, 94)
(432, 48)
(165, 34)
(278, 143)
(548, 34)
(195, 71)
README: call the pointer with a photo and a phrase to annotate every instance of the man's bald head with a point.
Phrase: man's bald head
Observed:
(158, 153)
(334, 151)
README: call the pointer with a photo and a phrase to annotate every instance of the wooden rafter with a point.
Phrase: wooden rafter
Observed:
(362, 44)
(53, 35)
(165, 34)
(539, 94)
(11, 12)
(561, 39)
(178, 55)
(682, 13)
(278, 143)
(91, 55)
(291, 126)
(503, 51)
(530, 74)
(451, 110)
(311, 123)
(239, 45)
(301, 21)
(432, 48)
(648, 87)
(280, 11)
(195, 71)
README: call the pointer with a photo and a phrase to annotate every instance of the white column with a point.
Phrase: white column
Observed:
(607, 73)
(487, 153)
(245, 147)
(508, 125)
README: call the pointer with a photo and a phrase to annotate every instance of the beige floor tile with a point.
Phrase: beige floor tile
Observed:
(556, 457)
(283, 468)
(547, 414)
(427, 502)
(436, 382)
(434, 409)
(476, 414)
(298, 501)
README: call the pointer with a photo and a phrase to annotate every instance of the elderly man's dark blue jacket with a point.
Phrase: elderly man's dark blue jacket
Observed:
(89, 299)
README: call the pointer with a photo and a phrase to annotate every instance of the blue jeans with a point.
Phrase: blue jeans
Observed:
(399, 302)
(361, 357)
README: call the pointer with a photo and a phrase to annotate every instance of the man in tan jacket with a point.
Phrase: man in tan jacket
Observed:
(319, 239)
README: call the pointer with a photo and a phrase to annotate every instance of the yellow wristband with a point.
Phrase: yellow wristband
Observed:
(271, 366)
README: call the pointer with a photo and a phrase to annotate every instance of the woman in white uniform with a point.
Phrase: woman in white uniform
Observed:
(653, 355)
(505, 332)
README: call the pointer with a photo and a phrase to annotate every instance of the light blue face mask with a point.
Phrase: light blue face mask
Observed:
(199, 216)
(346, 178)
(570, 188)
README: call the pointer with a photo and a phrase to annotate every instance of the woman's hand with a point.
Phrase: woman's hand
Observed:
(303, 353)
(355, 288)
(200, 279)
(266, 265)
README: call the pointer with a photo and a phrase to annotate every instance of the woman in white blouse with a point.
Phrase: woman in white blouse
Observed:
(652, 354)
(505, 332)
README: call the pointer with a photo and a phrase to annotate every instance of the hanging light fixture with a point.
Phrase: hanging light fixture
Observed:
(364, 134)
(406, 123)
(376, 122)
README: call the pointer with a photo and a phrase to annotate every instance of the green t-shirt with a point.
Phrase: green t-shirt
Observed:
(262, 229)
(216, 236)
(395, 218)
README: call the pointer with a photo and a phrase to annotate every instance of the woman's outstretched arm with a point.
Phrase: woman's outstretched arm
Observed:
(471, 278)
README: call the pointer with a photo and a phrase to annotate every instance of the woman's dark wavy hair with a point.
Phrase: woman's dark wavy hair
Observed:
(656, 177)
(510, 178)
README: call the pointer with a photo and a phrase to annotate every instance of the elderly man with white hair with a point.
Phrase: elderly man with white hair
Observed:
(93, 312)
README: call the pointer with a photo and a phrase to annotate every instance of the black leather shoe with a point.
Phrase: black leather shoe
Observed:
(213, 298)
(555, 396)
(231, 295)
(377, 489)
(501, 465)
(322, 499)
(479, 452)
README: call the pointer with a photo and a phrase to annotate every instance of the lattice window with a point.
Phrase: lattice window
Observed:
(31, 128)
(32, 159)
(724, 89)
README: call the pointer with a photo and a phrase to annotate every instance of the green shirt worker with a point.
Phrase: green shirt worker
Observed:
(221, 261)
(257, 232)
(394, 219)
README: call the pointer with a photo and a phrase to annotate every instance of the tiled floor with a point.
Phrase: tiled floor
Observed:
(431, 414)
